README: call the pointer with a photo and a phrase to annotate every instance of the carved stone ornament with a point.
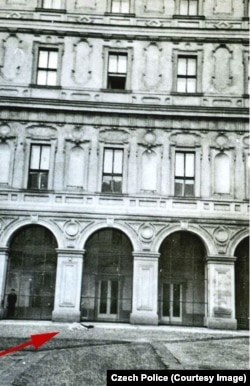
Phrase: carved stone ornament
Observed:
(4, 131)
(221, 235)
(71, 229)
(146, 232)
(114, 135)
(41, 132)
(13, 58)
(222, 141)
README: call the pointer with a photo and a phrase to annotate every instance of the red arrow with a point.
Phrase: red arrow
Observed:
(37, 340)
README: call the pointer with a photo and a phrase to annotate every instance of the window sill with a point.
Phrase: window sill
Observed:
(114, 90)
(192, 94)
(189, 17)
(127, 15)
(45, 86)
(51, 10)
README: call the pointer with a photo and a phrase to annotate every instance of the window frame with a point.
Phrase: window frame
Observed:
(131, 9)
(196, 149)
(171, 316)
(112, 174)
(187, 76)
(199, 10)
(198, 54)
(39, 172)
(184, 178)
(38, 47)
(41, 7)
(29, 143)
(106, 54)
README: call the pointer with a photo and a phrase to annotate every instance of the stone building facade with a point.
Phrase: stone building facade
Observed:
(124, 160)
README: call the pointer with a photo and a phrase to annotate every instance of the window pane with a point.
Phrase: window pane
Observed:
(51, 78)
(122, 64)
(179, 164)
(189, 172)
(115, 6)
(193, 7)
(35, 157)
(106, 184)
(117, 184)
(114, 297)
(176, 299)
(125, 6)
(182, 66)
(189, 188)
(178, 188)
(181, 85)
(118, 158)
(44, 181)
(42, 77)
(108, 161)
(191, 66)
(43, 59)
(166, 300)
(103, 296)
(45, 157)
(33, 180)
(47, 3)
(113, 63)
(117, 82)
(191, 85)
(53, 57)
(183, 7)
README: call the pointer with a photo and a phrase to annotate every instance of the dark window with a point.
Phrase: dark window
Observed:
(117, 71)
(120, 6)
(189, 7)
(187, 74)
(47, 67)
(184, 174)
(39, 167)
(112, 170)
(52, 4)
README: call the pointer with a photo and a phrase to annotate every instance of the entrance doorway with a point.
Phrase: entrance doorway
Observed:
(107, 277)
(242, 284)
(32, 272)
(182, 280)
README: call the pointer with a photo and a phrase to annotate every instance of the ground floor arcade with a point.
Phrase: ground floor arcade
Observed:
(175, 282)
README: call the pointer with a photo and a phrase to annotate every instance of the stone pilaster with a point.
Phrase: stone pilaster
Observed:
(68, 285)
(221, 292)
(145, 288)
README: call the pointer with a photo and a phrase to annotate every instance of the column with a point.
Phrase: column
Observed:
(3, 271)
(68, 285)
(145, 288)
(221, 292)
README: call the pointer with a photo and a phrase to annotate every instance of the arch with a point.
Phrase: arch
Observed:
(205, 237)
(9, 232)
(98, 226)
(31, 271)
(107, 279)
(235, 241)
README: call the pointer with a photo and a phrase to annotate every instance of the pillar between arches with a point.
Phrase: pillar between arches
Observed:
(68, 285)
(221, 292)
(145, 288)
(3, 270)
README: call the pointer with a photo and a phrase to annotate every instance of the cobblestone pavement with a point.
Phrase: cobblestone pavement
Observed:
(79, 356)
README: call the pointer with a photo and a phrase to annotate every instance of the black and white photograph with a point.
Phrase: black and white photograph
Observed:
(124, 192)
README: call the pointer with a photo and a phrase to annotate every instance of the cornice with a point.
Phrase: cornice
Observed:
(64, 106)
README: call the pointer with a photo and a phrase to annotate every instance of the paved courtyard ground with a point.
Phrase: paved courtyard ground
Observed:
(79, 356)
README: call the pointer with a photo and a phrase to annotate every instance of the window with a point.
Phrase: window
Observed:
(184, 174)
(171, 300)
(117, 71)
(112, 170)
(39, 167)
(120, 6)
(187, 74)
(52, 4)
(189, 7)
(47, 67)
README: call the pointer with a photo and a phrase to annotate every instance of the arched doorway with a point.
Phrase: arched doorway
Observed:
(182, 280)
(107, 277)
(242, 284)
(32, 272)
